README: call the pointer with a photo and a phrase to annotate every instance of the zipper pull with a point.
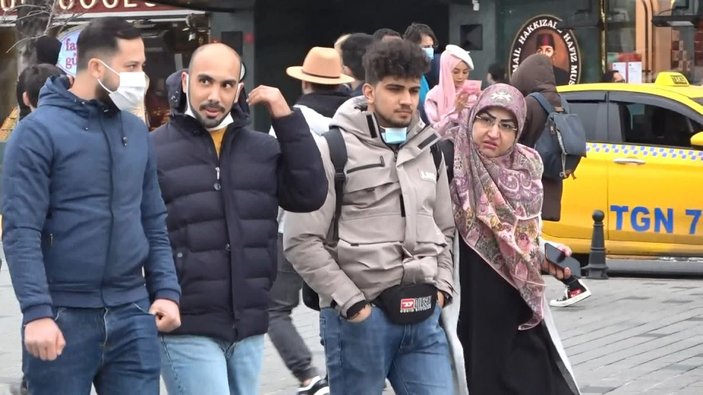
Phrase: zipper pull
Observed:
(217, 172)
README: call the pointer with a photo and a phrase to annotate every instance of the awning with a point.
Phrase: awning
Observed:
(209, 5)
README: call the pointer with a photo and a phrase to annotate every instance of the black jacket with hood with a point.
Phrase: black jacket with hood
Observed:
(536, 74)
(222, 213)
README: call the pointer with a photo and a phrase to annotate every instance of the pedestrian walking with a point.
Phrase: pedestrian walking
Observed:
(222, 183)
(84, 227)
(378, 252)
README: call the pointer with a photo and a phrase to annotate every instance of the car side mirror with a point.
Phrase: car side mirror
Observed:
(697, 140)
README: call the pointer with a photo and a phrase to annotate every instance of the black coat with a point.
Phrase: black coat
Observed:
(222, 215)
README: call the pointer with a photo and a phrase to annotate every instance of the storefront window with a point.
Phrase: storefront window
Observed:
(170, 36)
(169, 46)
(640, 50)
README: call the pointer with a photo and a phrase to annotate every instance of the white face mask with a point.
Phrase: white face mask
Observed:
(130, 91)
(429, 53)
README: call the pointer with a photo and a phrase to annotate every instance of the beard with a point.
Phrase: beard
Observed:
(206, 122)
(389, 123)
(103, 96)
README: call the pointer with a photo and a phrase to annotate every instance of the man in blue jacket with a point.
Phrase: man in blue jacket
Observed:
(222, 183)
(84, 227)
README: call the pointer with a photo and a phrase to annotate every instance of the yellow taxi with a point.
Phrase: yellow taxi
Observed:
(644, 168)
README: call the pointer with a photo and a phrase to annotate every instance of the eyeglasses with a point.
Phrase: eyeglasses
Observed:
(488, 121)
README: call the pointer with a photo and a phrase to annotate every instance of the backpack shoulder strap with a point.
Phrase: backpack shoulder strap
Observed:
(542, 102)
(338, 155)
(436, 156)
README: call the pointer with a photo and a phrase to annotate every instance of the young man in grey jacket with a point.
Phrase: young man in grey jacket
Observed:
(383, 281)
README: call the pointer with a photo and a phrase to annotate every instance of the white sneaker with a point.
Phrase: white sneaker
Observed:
(573, 296)
(317, 386)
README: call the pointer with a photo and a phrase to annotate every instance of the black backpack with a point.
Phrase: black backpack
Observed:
(338, 155)
(562, 143)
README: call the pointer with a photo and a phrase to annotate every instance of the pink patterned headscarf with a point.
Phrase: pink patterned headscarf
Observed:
(497, 202)
(444, 94)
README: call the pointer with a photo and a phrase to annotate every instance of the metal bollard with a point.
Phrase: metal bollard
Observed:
(597, 268)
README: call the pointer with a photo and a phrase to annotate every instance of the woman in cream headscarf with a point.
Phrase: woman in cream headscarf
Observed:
(509, 342)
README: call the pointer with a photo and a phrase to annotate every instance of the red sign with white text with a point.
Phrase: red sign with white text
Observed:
(9, 7)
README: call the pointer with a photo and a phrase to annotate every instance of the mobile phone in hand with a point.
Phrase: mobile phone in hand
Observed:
(557, 257)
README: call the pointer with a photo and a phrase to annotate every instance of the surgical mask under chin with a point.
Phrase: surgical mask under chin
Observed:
(429, 52)
(395, 135)
(131, 90)
(226, 121)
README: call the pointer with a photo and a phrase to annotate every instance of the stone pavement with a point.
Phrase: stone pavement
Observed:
(633, 336)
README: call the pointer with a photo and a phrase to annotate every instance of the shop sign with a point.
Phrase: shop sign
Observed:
(69, 50)
(8, 7)
(541, 35)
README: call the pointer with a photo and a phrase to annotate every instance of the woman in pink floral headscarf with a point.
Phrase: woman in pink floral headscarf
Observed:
(450, 101)
(504, 325)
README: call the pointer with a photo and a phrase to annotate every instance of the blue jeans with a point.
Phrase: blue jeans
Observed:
(360, 356)
(203, 365)
(115, 348)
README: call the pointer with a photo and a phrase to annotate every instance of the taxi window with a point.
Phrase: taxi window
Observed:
(588, 112)
(654, 125)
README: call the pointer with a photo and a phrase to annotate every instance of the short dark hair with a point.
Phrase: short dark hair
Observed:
(47, 50)
(379, 34)
(609, 76)
(353, 50)
(415, 31)
(397, 58)
(100, 37)
(34, 77)
(497, 72)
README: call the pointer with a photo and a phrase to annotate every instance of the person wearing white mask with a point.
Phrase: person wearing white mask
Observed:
(85, 227)
(222, 183)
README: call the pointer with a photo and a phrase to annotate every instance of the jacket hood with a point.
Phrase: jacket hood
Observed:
(55, 93)
(353, 117)
(177, 100)
(324, 103)
(534, 74)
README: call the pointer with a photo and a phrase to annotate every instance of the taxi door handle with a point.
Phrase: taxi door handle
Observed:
(628, 161)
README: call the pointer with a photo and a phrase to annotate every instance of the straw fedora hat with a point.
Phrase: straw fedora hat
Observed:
(321, 66)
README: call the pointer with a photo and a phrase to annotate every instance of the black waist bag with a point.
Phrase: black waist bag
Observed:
(408, 304)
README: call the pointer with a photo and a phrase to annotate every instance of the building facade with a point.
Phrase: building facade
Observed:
(584, 37)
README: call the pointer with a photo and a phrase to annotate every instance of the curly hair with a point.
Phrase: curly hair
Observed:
(397, 58)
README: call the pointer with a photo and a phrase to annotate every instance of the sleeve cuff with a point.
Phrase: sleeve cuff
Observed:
(37, 312)
(290, 123)
(355, 309)
(169, 294)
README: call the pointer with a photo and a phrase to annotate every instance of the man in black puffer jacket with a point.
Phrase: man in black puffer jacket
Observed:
(222, 184)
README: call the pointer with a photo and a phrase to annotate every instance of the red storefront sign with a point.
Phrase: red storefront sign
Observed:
(9, 7)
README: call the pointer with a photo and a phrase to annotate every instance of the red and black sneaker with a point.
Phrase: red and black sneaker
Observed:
(572, 295)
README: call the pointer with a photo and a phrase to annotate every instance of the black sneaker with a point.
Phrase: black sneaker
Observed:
(572, 295)
(317, 386)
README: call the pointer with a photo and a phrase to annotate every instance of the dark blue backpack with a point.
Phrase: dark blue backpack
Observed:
(562, 143)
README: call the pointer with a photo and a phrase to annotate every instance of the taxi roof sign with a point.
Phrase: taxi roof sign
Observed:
(671, 78)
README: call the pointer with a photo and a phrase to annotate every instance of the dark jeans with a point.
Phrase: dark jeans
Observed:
(115, 348)
(285, 296)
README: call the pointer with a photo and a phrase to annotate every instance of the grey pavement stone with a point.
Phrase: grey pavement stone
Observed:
(633, 336)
